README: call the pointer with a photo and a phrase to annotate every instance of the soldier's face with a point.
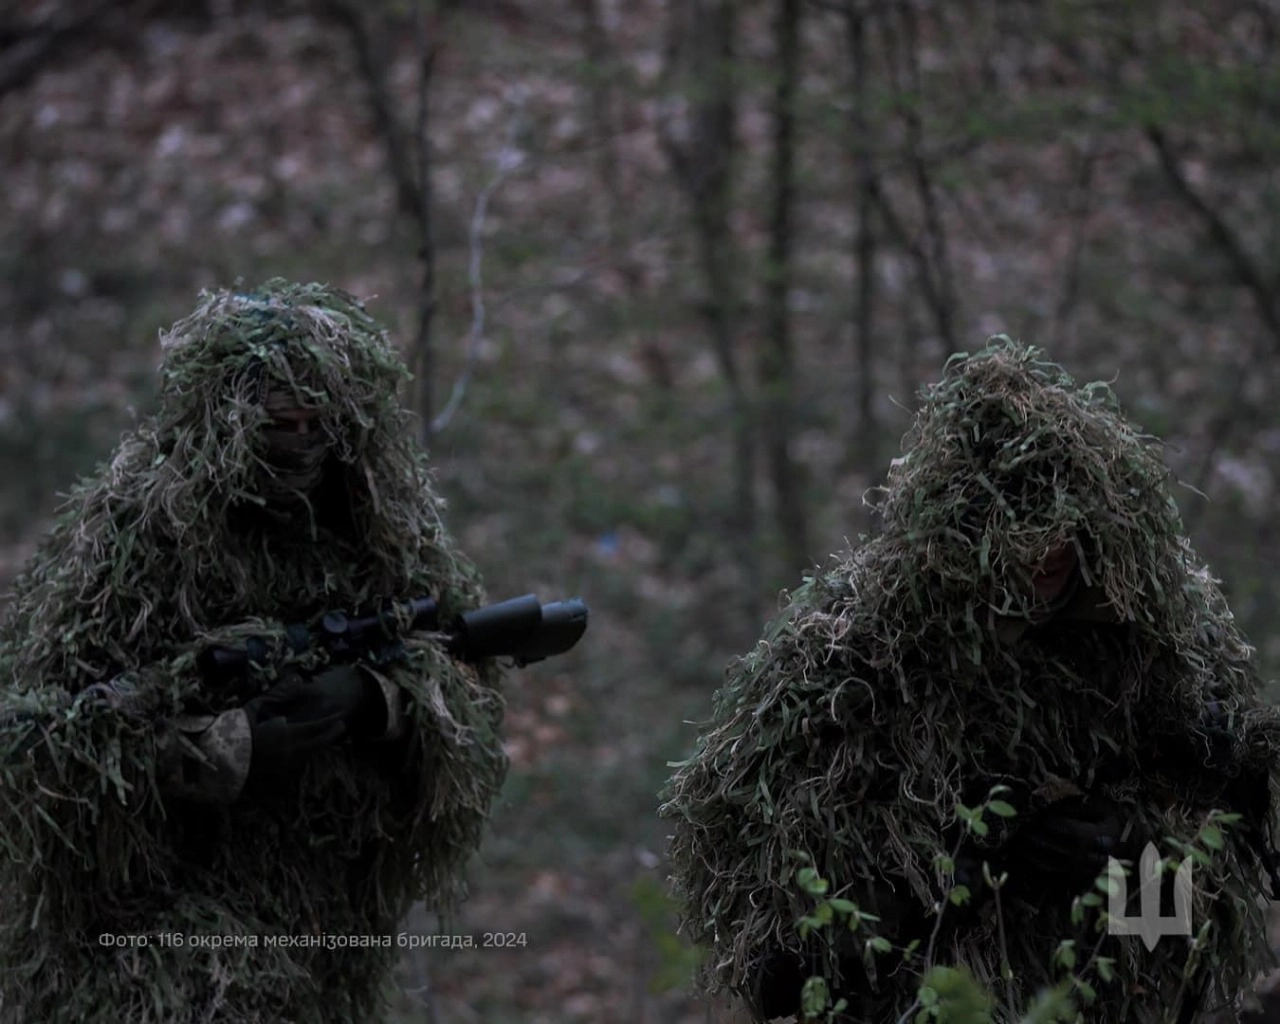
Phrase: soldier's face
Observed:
(295, 449)
(1051, 584)
(1054, 573)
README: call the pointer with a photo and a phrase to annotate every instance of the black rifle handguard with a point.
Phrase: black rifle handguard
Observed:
(523, 629)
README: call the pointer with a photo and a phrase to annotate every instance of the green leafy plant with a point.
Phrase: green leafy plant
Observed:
(951, 994)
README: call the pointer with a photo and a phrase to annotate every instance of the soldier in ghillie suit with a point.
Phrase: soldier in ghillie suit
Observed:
(1031, 615)
(279, 479)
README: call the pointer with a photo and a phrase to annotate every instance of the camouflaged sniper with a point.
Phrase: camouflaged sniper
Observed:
(906, 679)
(178, 541)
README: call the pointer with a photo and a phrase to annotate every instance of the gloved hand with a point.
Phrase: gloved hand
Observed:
(1063, 847)
(302, 715)
(1217, 744)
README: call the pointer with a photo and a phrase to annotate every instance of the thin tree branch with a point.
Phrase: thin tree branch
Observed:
(703, 163)
(1227, 241)
(36, 47)
(862, 8)
(1250, 276)
(371, 59)
(919, 258)
(595, 44)
(1221, 426)
(509, 159)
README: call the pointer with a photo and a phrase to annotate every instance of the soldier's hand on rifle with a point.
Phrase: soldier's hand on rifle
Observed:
(302, 715)
(1063, 847)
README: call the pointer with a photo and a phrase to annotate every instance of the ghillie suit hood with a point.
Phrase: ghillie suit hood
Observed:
(165, 549)
(889, 691)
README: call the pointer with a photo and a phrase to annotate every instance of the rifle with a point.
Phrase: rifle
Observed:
(522, 628)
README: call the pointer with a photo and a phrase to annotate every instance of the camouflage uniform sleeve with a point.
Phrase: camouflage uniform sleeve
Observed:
(205, 758)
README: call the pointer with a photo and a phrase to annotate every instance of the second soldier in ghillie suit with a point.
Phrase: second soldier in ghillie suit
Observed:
(1031, 615)
(279, 479)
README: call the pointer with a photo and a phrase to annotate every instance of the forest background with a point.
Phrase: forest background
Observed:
(670, 274)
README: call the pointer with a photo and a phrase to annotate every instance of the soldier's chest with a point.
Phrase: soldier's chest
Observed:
(292, 580)
(1048, 737)
(1062, 714)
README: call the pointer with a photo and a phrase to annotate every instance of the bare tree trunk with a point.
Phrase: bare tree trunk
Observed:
(373, 59)
(409, 160)
(1079, 206)
(930, 256)
(600, 98)
(777, 355)
(30, 48)
(702, 36)
(867, 440)
(935, 231)
(424, 346)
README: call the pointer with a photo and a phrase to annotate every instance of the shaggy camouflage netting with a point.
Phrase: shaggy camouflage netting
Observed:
(884, 695)
(162, 552)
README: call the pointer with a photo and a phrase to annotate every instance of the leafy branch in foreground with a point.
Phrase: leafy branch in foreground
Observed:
(951, 994)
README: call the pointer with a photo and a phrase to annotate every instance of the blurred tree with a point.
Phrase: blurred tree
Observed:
(28, 47)
(1198, 99)
(701, 147)
(408, 149)
(600, 67)
(777, 355)
(866, 444)
(928, 248)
